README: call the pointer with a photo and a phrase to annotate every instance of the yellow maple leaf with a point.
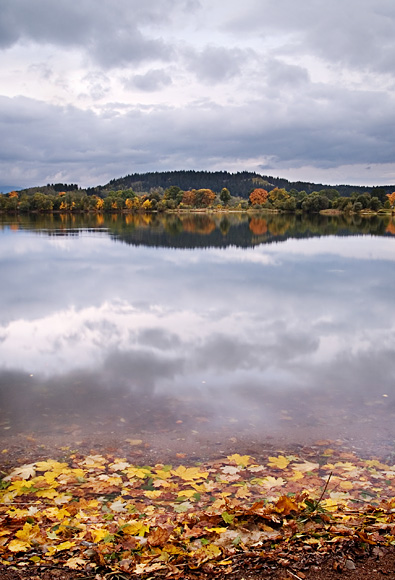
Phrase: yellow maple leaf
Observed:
(135, 528)
(186, 493)
(279, 462)
(162, 474)
(50, 465)
(64, 546)
(98, 534)
(346, 465)
(375, 463)
(242, 460)
(153, 494)
(16, 513)
(56, 513)
(48, 493)
(20, 486)
(217, 530)
(18, 546)
(347, 485)
(296, 476)
(28, 532)
(189, 473)
(329, 504)
(138, 472)
(59, 548)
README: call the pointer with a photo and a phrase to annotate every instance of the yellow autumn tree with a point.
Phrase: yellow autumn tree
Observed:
(99, 203)
(147, 205)
(391, 197)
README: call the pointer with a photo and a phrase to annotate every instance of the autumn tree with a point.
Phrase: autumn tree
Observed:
(278, 196)
(204, 197)
(391, 197)
(258, 196)
(188, 197)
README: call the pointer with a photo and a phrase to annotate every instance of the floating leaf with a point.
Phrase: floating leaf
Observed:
(242, 460)
(279, 462)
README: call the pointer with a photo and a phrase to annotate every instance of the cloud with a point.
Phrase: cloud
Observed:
(350, 34)
(184, 84)
(216, 64)
(153, 80)
(325, 129)
(110, 33)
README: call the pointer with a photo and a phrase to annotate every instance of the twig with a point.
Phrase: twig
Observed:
(317, 503)
(294, 575)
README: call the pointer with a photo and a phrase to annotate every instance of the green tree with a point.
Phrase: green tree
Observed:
(375, 204)
(225, 196)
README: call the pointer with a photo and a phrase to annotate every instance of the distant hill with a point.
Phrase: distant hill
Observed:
(239, 184)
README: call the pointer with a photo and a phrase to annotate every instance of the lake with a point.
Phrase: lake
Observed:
(193, 332)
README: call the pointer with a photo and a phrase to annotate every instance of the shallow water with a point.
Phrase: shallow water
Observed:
(193, 330)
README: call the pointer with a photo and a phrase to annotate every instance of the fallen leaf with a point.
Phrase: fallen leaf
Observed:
(279, 462)
(23, 472)
(242, 460)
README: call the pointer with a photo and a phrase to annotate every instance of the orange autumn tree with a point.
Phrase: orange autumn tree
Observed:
(258, 196)
(391, 197)
(188, 197)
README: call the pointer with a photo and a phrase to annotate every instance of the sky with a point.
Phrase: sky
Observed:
(91, 91)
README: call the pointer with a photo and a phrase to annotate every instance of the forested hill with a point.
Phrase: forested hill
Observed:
(239, 184)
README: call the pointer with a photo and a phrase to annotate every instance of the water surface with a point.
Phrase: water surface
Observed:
(246, 328)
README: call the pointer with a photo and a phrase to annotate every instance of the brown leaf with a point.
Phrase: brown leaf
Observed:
(159, 536)
(286, 505)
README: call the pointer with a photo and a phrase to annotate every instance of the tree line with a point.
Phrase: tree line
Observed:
(69, 198)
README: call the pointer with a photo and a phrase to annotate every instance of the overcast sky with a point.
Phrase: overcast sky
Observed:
(93, 90)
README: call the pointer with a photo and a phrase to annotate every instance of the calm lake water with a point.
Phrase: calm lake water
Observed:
(246, 328)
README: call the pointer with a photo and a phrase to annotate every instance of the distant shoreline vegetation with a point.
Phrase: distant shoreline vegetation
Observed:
(250, 192)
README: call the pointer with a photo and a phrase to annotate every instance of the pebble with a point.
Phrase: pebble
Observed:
(350, 565)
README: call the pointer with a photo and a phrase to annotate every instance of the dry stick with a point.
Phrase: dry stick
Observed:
(294, 575)
(317, 503)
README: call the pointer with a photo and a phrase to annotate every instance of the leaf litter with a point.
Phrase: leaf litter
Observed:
(101, 514)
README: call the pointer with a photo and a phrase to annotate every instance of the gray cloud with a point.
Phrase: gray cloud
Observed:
(109, 33)
(151, 81)
(325, 128)
(271, 85)
(355, 35)
(216, 64)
